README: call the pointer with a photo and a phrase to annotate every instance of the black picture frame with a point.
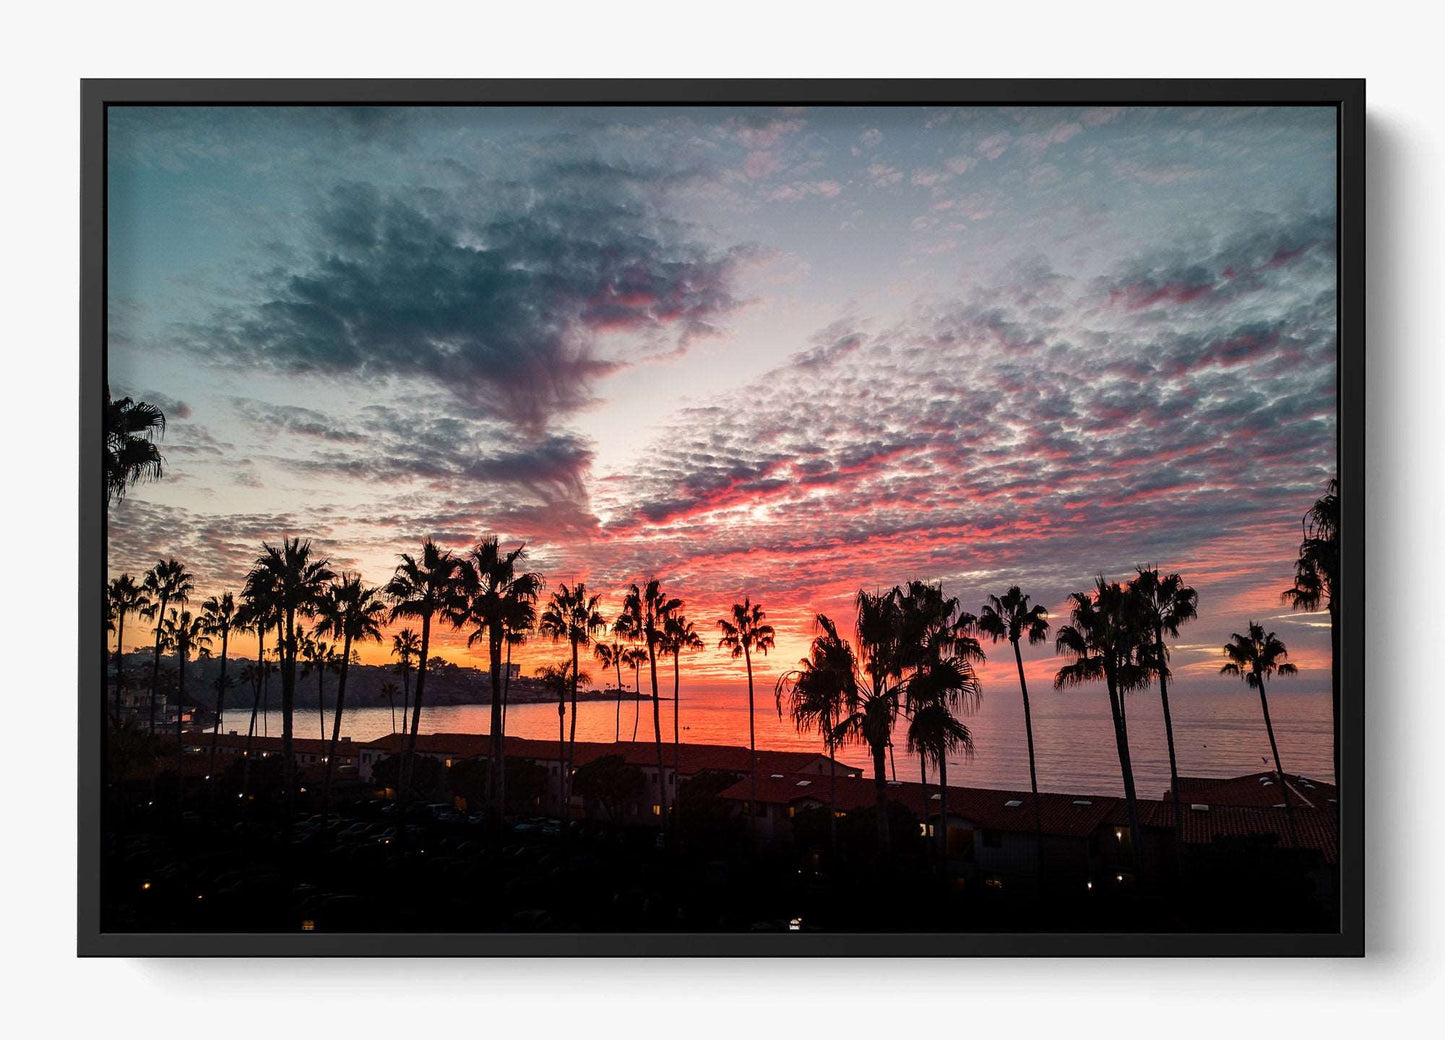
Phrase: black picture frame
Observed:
(1346, 96)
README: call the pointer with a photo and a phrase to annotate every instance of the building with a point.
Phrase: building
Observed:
(684, 763)
(1084, 839)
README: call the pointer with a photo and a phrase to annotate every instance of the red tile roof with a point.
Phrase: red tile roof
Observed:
(1315, 828)
(1260, 790)
(692, 758)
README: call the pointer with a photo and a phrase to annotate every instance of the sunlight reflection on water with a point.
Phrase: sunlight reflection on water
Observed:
(1217, 733)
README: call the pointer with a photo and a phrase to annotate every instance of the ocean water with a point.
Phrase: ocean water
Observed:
(1217, 732)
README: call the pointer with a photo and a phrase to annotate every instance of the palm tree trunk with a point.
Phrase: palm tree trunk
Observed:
(657, 739)
(506, 698)
(321, 696)
(405, 700)
(943, 811)
(880, 797)
(562, 753)
(156, 666)
(180, 748)
(1278, 769)
(119, 659)
(752, 740)
(636, 697)
(409, 751)
(1169, 731)
(220, 709)
(1033, 768)
(617, 731)
(255, 706)
(572, 729)
(832, 797)
(288, 711)
(336, 724)
(676, 742)
(1126, 770)
(494, 763)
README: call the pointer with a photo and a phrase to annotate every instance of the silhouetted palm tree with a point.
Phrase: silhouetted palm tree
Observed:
(818, 694)
(185, 634)
(167, 583)
(1012, 617)
(258, 612)
(571, 616)
(878, 636)
(679, 634)
(219, 617)
(297, 581)
(744, 631)
(635, 657)
(610, 655)
(1166, 603)
(492, 589)
(938, 652)
(935, 733)
(1255, 657)
(422, 587)
(320, 657)
(131, 455)
(405, 646)
(125, 597)
(1106, 638)
(353, 613)
(1316, 574)
(389, 692)
(647, 610)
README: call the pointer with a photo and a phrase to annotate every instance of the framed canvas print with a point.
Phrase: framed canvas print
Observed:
(747, 518)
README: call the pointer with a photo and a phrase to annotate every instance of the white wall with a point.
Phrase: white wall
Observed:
(1395, 44)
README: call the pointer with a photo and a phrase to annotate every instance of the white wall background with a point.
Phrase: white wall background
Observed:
(49, 47)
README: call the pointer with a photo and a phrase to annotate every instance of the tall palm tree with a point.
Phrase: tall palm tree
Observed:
(320, 657)
(744, 631)
(1255, 657)
(679, 635)
(1108, 641)
(609, 655)
(167, 583)
(1165, 603)
(353, 613)
(559, 678)
(405, 646)
(297, 580)
(219, 617)
(185, 634)
(125, 596)
(258, 613)
(635, 657)
(935, 732)
(1317, 572)
(421, 587)
(493, 588)
(131, 456)
(939, 651)
(878, 633)
(1012, 617)
(818, 694)
(647, 610)
(571, 616)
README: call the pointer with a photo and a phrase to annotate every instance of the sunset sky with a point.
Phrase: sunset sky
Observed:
(782, 353)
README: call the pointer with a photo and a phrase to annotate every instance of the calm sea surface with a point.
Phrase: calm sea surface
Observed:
(1216, 732)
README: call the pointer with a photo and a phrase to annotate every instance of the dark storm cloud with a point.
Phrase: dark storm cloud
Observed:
(502, 310)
